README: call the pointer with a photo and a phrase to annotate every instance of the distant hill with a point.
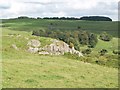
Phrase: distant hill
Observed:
(96, 18)
(91, 18)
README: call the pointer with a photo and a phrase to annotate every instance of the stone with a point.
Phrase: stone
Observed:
(15, 47)
(78, 53)
(33, 50)
(43, 53)
(34, 43)
(26, 38)
(59, 48)
(18, 36)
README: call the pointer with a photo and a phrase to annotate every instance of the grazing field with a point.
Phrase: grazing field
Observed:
(64, 25)
(58, 72)
(21, 69)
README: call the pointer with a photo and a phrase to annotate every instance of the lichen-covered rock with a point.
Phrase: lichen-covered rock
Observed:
(33, 50)
(43, 53)
(55, 48)
(15, 47)
(34, 43)
(78, 53)
(59, 48)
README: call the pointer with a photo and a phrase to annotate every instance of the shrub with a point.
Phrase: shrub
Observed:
(71, 45)
(78, 27)
(83, 38)
(86, 38)
(116, 52)
(101, 62)
(77, 46)
(103, 52)
(40, 32)
(75, 42)
(105, 37)
(87, 51)
(92, 40)
(36, 32)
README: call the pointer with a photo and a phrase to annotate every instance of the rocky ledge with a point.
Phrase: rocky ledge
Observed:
(55, 48)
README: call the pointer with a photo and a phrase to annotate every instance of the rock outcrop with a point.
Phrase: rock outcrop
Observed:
(33, 50)
(33, 46)
(59, 48)
(34, 43)
(55, 48)
(43, 53)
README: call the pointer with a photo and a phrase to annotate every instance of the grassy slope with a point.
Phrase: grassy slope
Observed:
(25, 70)
(47, 71)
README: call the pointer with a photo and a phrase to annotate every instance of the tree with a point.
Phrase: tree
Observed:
(75, 42)
(83, 38)
(39, 18)
(92, 40)
(75, 34)
(78, 27)
(96, 18)
(23, 17)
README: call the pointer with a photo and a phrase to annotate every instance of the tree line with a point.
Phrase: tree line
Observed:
(88, 18)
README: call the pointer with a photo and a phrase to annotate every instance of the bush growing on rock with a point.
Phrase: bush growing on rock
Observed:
(71, 45)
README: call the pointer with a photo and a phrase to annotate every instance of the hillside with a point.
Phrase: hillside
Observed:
(66, 26)
(25, 70)
(22, 69)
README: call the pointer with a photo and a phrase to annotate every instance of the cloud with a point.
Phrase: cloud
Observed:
(43, 8)
(119, 11)
(43, 3)
(4, 5)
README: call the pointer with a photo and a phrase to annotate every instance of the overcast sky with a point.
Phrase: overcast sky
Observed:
(58, 8)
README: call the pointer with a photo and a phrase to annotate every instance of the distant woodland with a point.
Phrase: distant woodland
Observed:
(87, 18)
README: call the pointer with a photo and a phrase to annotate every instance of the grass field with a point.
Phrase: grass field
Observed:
(57, 72)
(24, 70)
(36, 24)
